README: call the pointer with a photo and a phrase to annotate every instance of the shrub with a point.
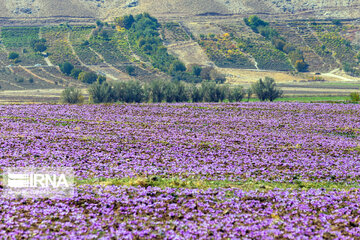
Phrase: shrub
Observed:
(301, 66)
(355, 96)
(249, 92)
(38, 45)
(177, 66)
(266, 90)
(66, 68)
(130, 70)
(196, 70)
(131, 91)
(237, 94)
(88, 77)
(157, 92)
(13, 55)
(99, 23)
(100, 93)
(196, 94)
(31, 80)
(100, 79)
(279, 44)
(254, 22)
(75, 73)
(336, 22)
(72, 95)
(209, 92)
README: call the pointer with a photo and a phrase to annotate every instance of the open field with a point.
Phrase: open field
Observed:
(188, 171)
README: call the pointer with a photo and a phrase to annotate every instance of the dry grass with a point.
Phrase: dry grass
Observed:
(189, 53)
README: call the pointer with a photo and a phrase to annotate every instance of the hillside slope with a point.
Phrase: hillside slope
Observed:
(110, 8)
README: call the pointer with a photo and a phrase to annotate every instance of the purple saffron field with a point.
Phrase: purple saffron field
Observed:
(271, 145)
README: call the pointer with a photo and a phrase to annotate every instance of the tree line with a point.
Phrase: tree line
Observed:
(172, 91)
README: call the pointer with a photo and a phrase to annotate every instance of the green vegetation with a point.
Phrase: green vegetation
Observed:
(66, 68)
(79, 38)
(19, 37)
(100, 93)
(58, 44)
(266, 90)
(246, 185)
(111, 45)
(13, 55)
(355, 97)
(262, 27)
(265, 54)
(72, 95)
(84, 76)
(172, 31)
(223, 51)
(163, 91)
(39, 45)
(145, 41)
(130, 70)
(88, 77)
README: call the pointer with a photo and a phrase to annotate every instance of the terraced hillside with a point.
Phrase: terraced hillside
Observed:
(154, 50)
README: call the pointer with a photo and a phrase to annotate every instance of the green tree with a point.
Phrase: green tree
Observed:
(196, 94)
(72, 95)
(266, 90)
(75, 73)
(336, 22)
(39, 45)
(196, 70)
(301, 66)
(209, 92)
(99, 23)
(88, 77)
(249, 92)
(100, 79)
(157, 91)
(177, 66)
(13, 55)
(237, 94)
(134, 92)
(279, 44)
(126, 21)
(66, 68)
(130, 70)
(100, 93)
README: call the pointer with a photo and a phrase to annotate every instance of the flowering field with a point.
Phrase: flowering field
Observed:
(188, 171)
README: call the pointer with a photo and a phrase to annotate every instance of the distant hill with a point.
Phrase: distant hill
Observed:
(111, 8)
(211, 33)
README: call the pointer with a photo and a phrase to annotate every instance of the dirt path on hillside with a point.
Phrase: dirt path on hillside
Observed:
(37, 76)
(122, 74)
(336, 74)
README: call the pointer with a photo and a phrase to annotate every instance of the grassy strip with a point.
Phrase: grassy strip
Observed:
(156, 181)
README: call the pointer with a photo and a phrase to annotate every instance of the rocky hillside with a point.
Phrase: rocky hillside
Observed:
(111, 8)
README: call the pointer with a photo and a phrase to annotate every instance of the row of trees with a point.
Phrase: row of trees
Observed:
(172, 91)
(84, 76)
(163, 91)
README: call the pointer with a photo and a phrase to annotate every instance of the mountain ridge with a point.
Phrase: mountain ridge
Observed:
(108, 9)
